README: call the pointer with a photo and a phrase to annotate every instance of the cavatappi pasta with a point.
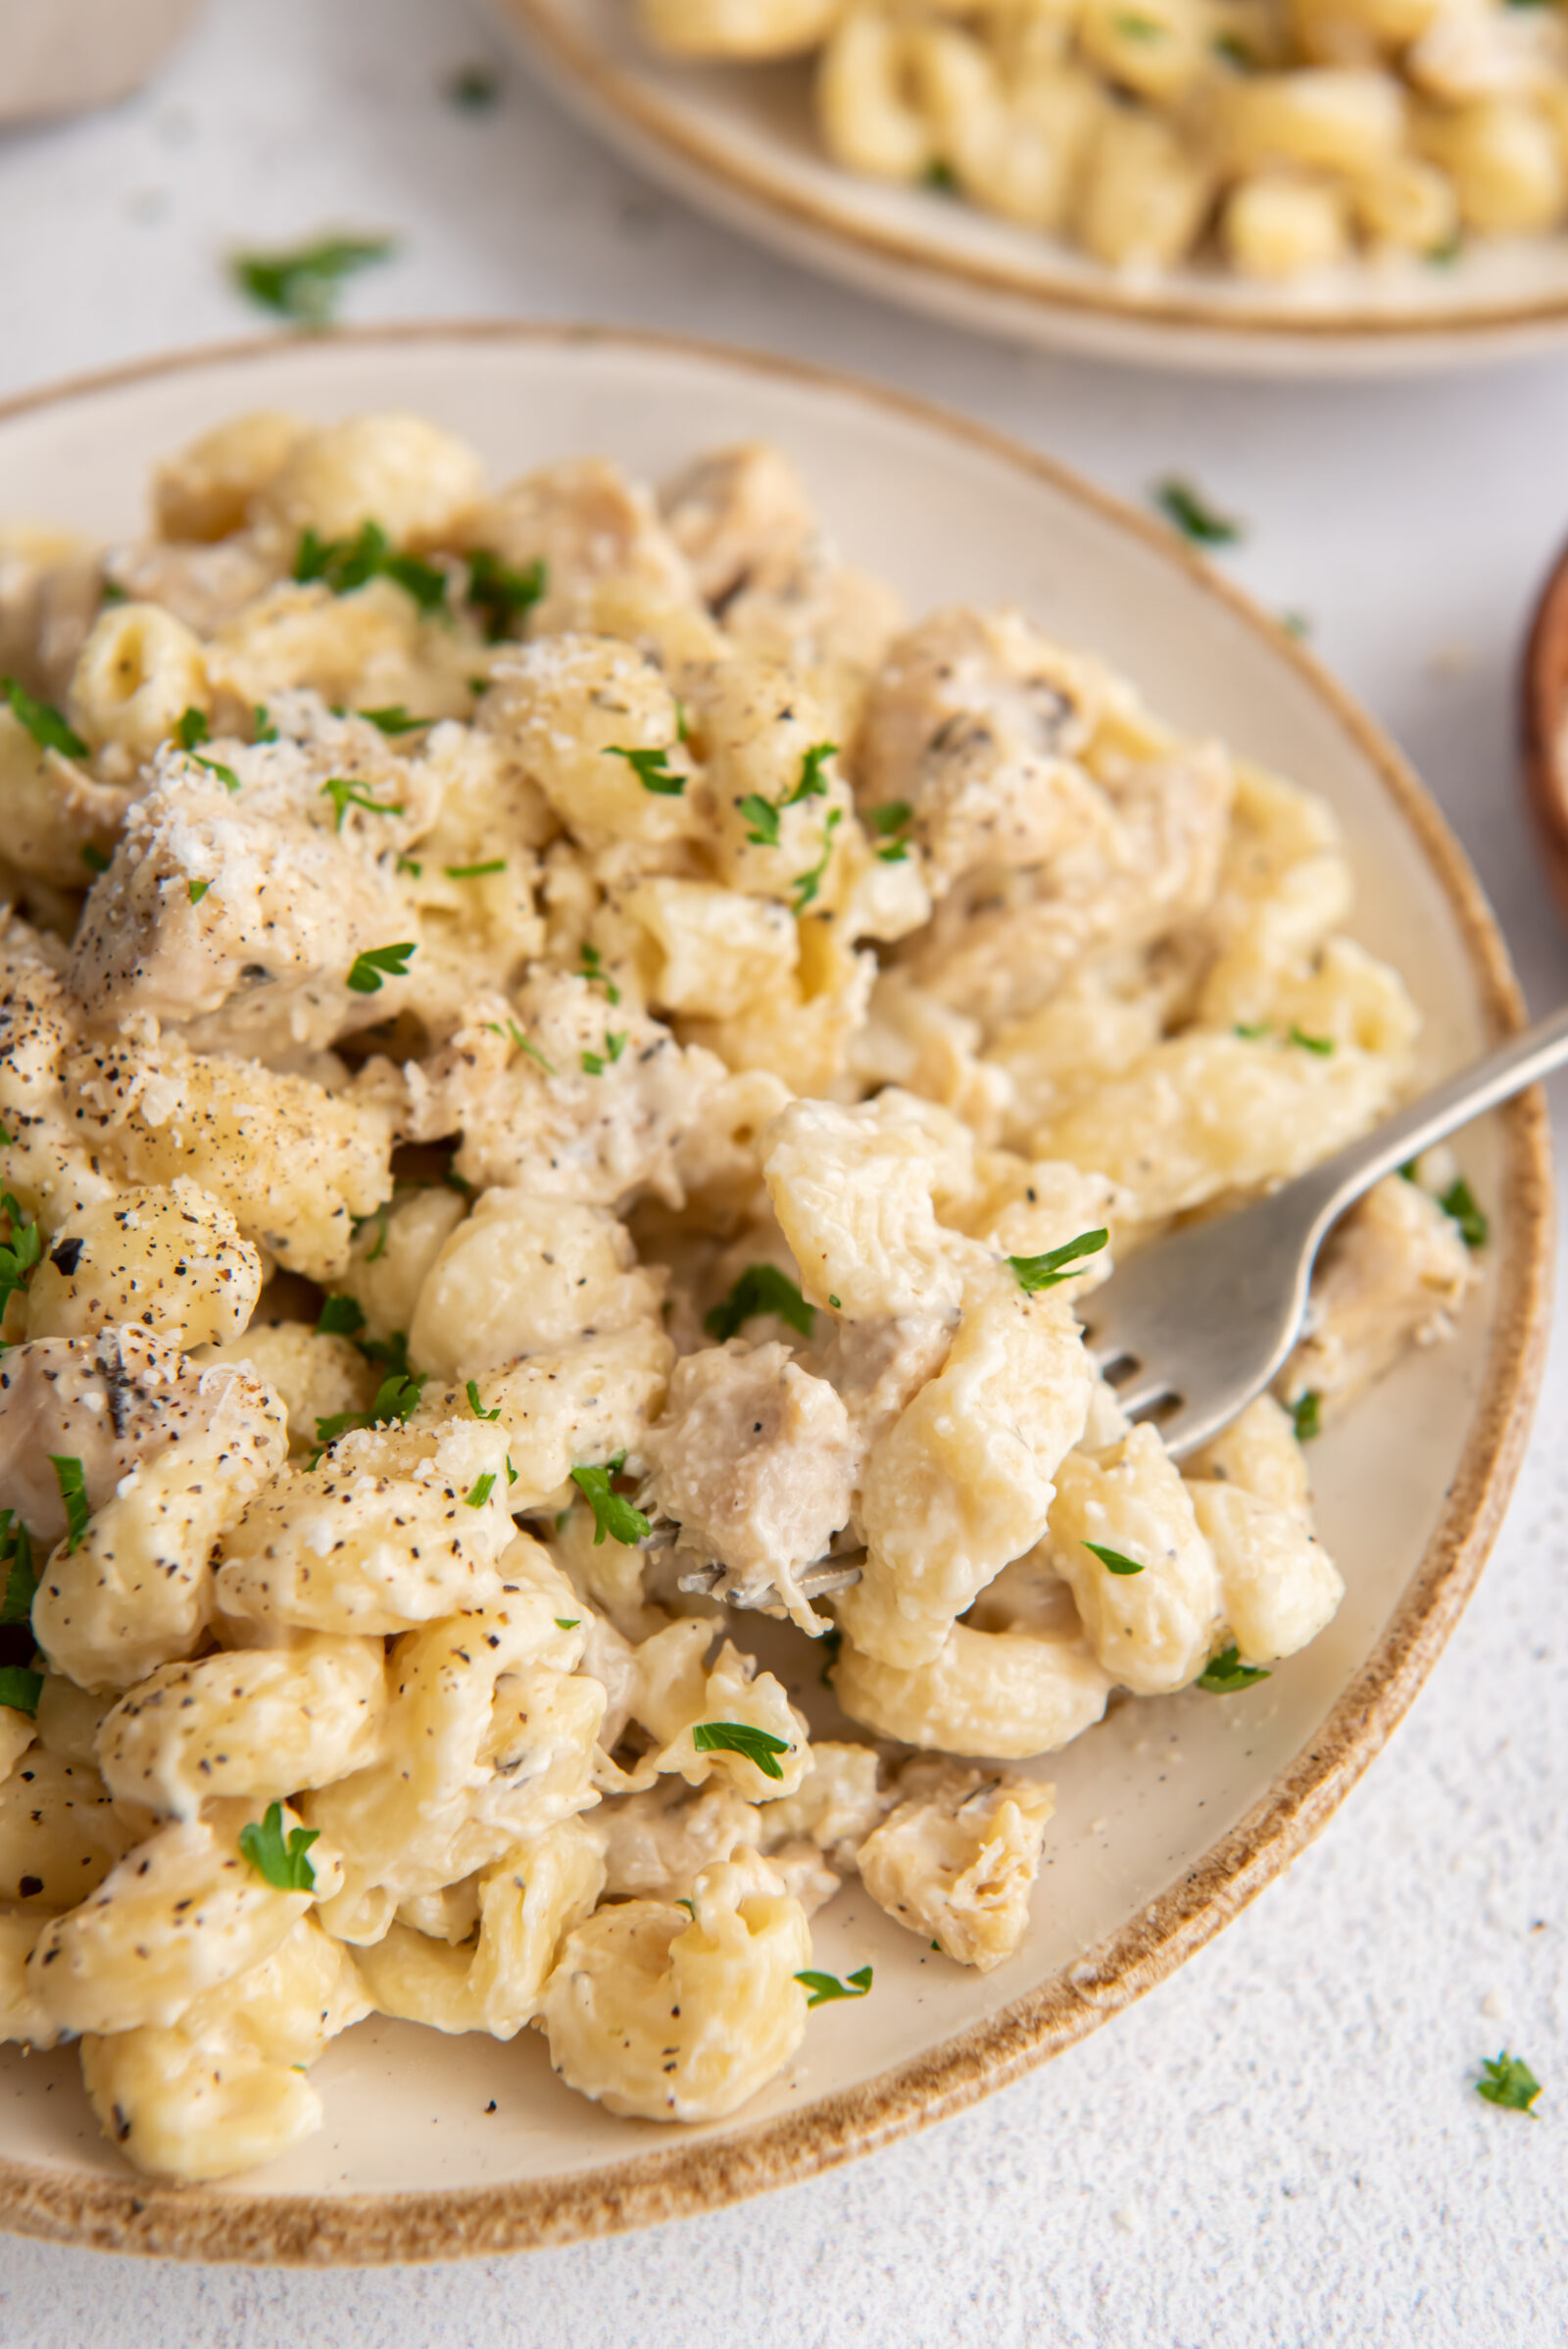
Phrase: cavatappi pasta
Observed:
(551, 1040)
(1281, 135)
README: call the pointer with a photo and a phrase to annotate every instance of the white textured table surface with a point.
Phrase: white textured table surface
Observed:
(1282, 2146)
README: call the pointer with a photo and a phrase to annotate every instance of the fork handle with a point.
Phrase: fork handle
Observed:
(1495, 1077)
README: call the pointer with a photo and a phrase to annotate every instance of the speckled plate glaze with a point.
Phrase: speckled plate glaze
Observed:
(739, 141)
(1174, 1813)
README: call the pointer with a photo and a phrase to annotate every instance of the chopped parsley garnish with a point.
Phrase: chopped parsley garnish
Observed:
(1459, 1201)
(532, 1050)
(345, 793)
(758, 1746)
(1034, 1273)
(477, 1407)
(1305, 1413)
(811, 785)
(397, 1398)
(1253, 1030)
(305, 284)
(1505, 2079)
(21, 1578)
(7, 1137)
(593, 970)
(824, 1987)
(1444, 256)
(941, 176)
(502, 593)
(20, 1688)
(409, 864)
(1225, 1673)
(1192, 515)
(367, 971)
(197, 890)
(473, 88)
(340, 1317)
(286, 1865)
(94, 859)
(1295, 623)
(594, 1063)
(1139, 29)
(892, 818)
(111, 592)
(761, 1288)
(390, 1353)
(612, 1515)
(261, 726)
(806, 885)
(43, 721)
(74, 1494)
(395, 719)
(1234, 50)
(484, 1487)
(836, 1304)
(1114, 1561)
(1321, 1044)
(568, 1623)
(378, 1216)
(651, 771)
(475, 872)
(192, 729)
(762, 819)
(344, 564)
(20, 1253)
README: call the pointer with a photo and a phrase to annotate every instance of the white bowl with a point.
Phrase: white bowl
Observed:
(739, 142)
(1173, 1813)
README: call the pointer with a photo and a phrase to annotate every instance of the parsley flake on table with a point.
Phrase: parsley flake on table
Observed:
(476, 1406)
(20, 1688)
(345, 793)
(20, 1576)
(1225, 1674)
(758, 1746)
(501, 592)
(761, 1288)
(1460, 1202)
(1034, 1273)
(1192, 515)
(613, 1514)
(806, 885)
(346, 564)
(340, 1317)
(367, 971)
(825, 1987)
(1114, 1561)
(1305, 1415)
(73, 1494)
(286, 1863)
(42, 721)
(305, 283)
(20, 1253)
(1507, 2080)
(651, 769)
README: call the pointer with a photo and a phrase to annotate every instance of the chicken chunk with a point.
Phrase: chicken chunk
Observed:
(1391, 1277)
(956, 1860)
(583, 522)
(753, 1459)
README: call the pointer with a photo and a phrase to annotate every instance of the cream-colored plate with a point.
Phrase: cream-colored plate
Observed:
(1173, 1813)
(739, 141)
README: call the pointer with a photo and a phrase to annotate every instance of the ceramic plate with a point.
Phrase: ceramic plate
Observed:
(739, 141)
(1173, 1813)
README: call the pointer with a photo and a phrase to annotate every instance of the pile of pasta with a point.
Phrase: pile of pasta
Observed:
(556, 1052)
(1283, 135)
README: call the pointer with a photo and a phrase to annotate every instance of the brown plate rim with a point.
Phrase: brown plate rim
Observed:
(584, 70)
(1543, 713)
(196, 2223)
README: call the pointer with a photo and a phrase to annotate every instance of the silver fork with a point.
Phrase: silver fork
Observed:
(1199, 1324)
(1196, 1326)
